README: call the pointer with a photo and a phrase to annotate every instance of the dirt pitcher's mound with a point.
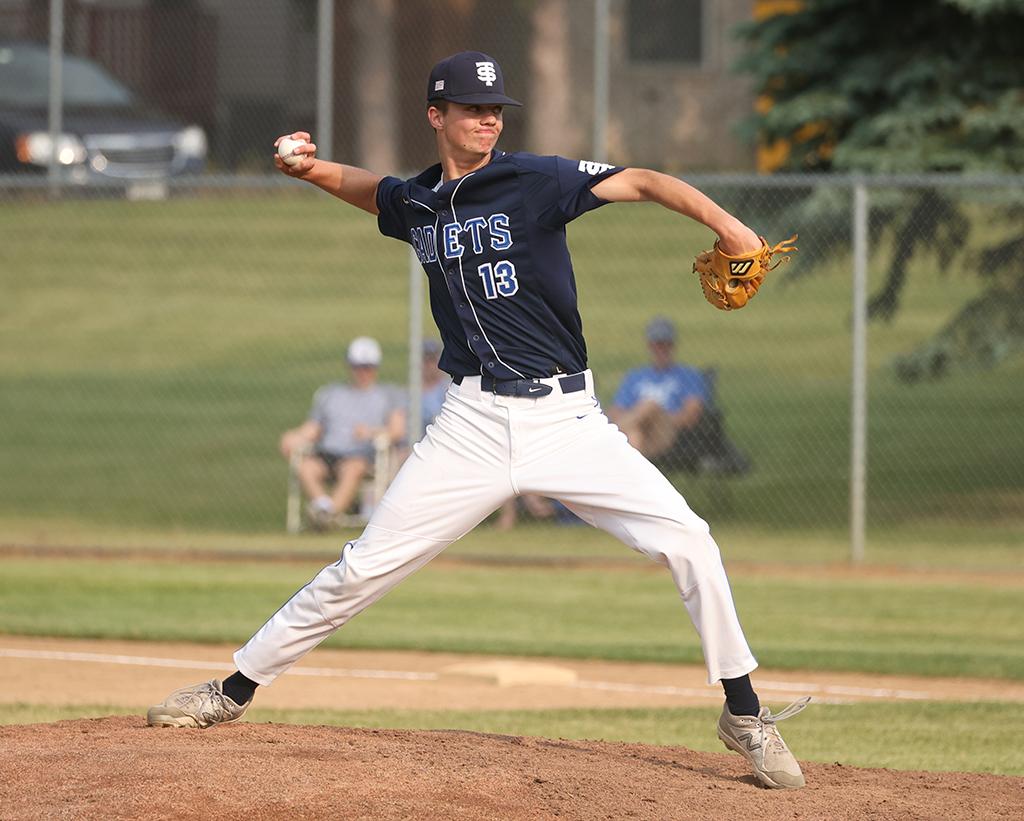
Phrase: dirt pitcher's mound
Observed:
(119, 768)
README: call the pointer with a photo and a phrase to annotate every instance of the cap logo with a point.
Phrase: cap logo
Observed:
(485, 73)
(439, 85)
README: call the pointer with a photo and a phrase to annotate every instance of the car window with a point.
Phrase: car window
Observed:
(25, 80)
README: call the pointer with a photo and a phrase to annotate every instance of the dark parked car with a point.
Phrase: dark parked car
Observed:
(107, 131)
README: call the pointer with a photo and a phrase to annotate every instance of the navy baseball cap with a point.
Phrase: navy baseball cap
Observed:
(469, 78)
(661, 329)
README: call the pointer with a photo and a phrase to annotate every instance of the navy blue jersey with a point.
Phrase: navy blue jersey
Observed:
(492, 243)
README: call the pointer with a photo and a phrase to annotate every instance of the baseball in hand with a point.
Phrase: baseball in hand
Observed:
(285, 149)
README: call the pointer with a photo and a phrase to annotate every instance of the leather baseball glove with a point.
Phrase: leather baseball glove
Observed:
(729, 282)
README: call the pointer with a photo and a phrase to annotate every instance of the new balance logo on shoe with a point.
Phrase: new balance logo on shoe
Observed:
(748, 740)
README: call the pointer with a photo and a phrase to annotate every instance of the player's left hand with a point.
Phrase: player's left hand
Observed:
(738, 239)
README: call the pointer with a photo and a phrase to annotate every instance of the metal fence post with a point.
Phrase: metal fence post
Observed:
(56, 112)
(415, 420)
(858, 416)
(601, 69)
(324, 138)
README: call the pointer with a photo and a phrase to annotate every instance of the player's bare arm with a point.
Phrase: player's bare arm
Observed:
(644, 185)
(356, 186)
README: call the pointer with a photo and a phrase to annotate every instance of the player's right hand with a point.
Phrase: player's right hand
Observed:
(302, 168)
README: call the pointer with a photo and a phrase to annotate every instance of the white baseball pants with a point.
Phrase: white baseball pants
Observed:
(482, 450)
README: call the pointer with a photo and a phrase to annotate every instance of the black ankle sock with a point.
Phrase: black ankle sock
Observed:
(740, 696)
(240, 689)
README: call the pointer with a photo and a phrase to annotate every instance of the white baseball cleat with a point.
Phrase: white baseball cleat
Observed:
(757, 739)
(200, 705)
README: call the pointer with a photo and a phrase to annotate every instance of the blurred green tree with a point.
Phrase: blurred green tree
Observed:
(908, 87)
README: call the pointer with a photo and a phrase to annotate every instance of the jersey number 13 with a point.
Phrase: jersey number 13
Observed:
(499, 279)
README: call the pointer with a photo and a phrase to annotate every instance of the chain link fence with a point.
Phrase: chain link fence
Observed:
(153, 352)
(159, 331)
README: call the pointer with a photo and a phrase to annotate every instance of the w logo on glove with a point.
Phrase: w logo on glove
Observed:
(731, 281)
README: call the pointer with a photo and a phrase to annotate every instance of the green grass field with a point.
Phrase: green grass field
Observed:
(936, 546)
(632, 613)
(151, 354)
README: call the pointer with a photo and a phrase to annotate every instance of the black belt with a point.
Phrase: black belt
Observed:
(528, 387)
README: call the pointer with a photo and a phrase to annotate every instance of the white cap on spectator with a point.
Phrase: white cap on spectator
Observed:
(364, 350)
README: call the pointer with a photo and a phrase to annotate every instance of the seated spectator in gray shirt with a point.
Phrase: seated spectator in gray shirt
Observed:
(342, 425)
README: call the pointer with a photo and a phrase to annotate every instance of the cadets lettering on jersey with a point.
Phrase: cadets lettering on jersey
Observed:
(496, 227)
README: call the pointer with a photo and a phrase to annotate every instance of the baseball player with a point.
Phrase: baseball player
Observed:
(521, 414)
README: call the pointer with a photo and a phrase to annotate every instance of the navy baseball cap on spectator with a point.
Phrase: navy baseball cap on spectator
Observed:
(469, 78)
(661, 329)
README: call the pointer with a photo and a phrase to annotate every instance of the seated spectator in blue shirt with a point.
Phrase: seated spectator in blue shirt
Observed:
(666, 411)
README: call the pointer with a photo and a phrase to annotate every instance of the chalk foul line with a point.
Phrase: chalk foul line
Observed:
(767, 689)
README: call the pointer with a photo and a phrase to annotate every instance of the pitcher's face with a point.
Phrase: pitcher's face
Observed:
(467, 129)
